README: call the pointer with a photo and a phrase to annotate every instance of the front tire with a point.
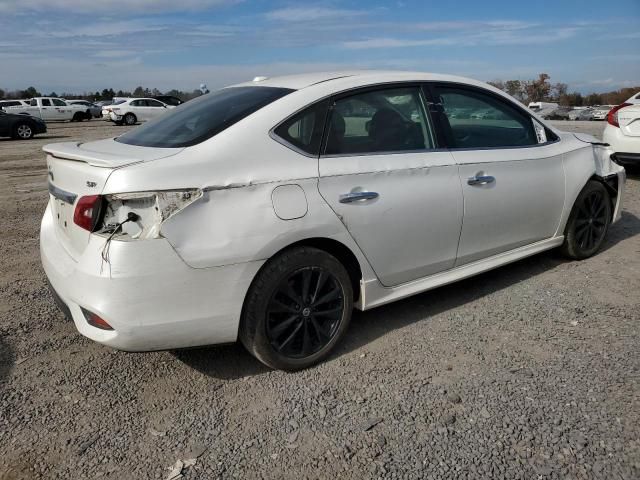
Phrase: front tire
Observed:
(588, 223)
(297, 309)
(130, 119)
(23, 131)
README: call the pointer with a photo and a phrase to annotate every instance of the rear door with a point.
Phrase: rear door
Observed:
(396, 193)
(154, 109)
(61, 110)
(511, 174)
(47, 110)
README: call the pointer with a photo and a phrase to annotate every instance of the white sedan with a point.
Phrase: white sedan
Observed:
(267, 211)
(622, 132)
(132, 110)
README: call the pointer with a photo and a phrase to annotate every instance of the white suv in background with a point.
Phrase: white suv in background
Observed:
(622, 131)
(133, 110)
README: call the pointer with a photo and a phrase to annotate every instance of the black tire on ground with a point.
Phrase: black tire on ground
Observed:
(588, 222)
(87, 115)
(130, 119)
(297, 309)
(78, 117)
(23, 131)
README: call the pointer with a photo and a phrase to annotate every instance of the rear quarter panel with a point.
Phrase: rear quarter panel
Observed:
(581, 161)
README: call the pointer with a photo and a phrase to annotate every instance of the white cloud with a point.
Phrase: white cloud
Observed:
(304, 14)
(488, 33)
(109, 6)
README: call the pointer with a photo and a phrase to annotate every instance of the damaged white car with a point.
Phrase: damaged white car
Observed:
(267, 211)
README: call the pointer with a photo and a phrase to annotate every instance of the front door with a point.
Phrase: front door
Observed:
(399, 198)
(511, 174)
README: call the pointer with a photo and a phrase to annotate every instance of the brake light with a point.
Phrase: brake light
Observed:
(87, 212)
(612, 116)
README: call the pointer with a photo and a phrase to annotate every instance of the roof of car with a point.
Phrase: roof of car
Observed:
(304, 80)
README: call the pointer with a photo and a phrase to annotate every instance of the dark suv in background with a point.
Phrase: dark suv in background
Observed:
(169, 99)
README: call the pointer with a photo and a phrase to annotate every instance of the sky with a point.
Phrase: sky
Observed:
(88, 45)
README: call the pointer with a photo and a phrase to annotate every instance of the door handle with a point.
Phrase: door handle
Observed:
(357, 196)
(481, 180)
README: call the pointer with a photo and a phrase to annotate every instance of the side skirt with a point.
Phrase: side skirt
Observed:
(373, 294)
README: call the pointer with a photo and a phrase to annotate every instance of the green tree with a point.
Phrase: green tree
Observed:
(2, 93)
(30, 93)
(499, 84)
(593, 99)
(139, 92)
(514, 88)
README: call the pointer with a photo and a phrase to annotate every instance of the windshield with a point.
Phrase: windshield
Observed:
(202, 118)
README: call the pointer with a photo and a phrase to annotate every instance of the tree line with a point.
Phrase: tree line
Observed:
(542, 90)
(105, 94)
(535, 90)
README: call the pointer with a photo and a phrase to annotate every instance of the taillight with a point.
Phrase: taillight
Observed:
(87, 212)
(612, 116)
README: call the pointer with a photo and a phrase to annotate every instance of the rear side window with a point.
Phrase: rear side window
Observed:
(304, 129)
(473, 119)
(46, 102)
(203, 117)
(58, 103)
(389, 120)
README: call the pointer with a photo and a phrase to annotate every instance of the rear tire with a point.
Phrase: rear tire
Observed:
(23, 131)
(588, 223)
(297, 309)
(130, 119)
(78, 117)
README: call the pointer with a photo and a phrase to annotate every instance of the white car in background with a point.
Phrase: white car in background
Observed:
(267, 211)
(622, 131)
(600, 112)
(13, 103)
(133, 110)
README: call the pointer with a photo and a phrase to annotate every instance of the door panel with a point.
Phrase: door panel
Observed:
(510, 168)
(412, 228)
(522, 205)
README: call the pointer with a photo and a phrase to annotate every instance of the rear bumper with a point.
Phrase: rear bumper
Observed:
(626, 159)
(152, 299)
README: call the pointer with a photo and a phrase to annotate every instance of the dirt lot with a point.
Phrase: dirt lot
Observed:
(529, 371)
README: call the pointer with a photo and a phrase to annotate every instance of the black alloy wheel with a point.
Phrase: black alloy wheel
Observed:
(297, 308)
(589, 222)
(304, 312)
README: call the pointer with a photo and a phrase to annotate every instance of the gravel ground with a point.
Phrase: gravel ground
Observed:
(528, 371)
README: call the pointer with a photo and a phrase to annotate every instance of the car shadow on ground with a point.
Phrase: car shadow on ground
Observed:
(233, 361)
(7, 361)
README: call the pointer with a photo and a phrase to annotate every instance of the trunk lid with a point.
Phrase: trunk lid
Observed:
(76, 170)
(629, 120)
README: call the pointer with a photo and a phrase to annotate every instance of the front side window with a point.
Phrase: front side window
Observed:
(389, 120)
(304, 130)
(203, 117)
(473, 119)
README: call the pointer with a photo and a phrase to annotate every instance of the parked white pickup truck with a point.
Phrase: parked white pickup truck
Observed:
(51, 109)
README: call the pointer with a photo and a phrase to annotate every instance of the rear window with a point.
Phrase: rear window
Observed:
(202, 118)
